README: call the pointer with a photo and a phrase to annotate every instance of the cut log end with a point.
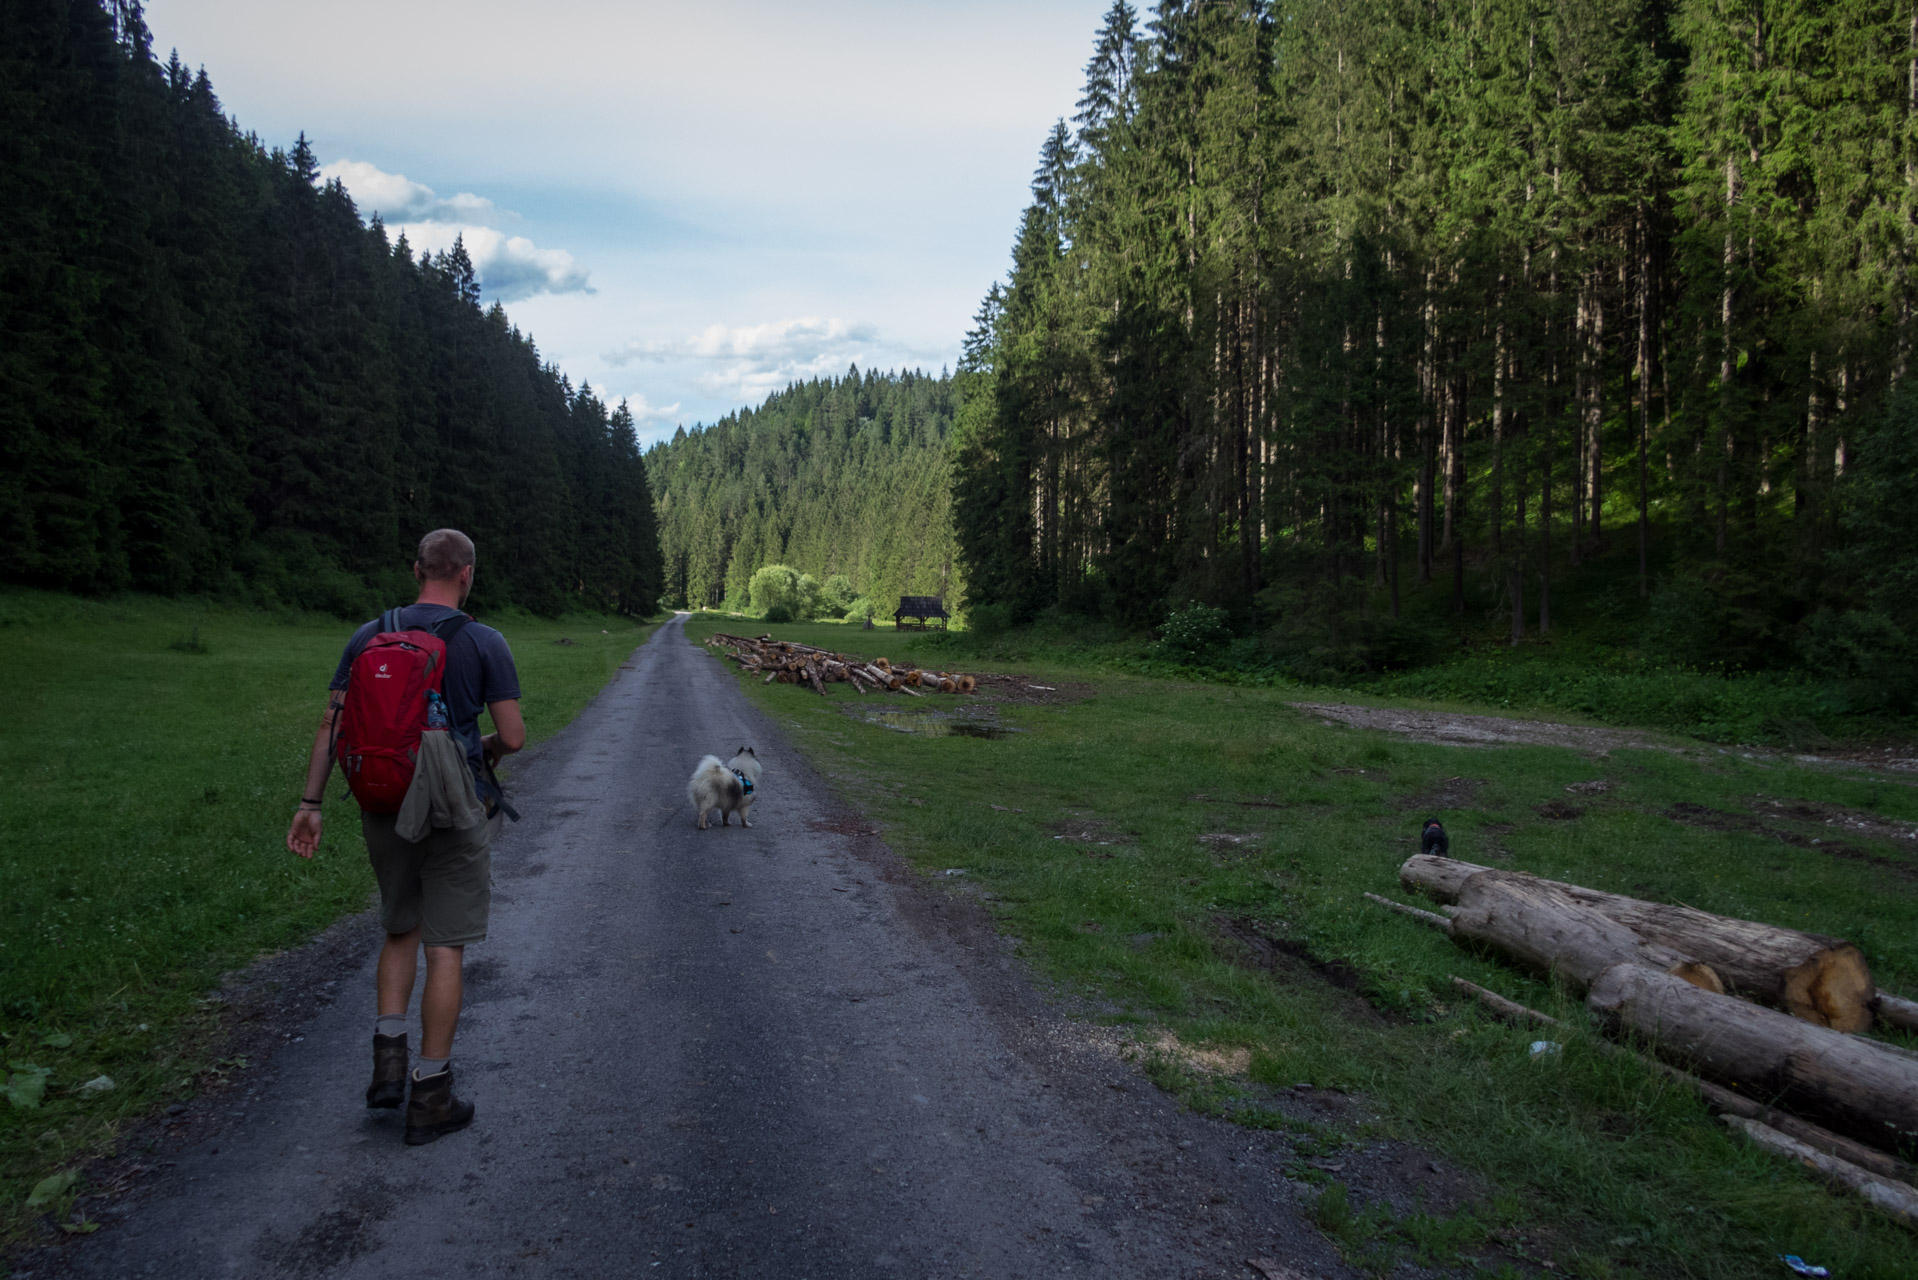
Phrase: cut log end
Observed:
(1702, 976)
(1832, 989)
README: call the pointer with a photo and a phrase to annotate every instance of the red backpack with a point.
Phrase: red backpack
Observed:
(377, 737)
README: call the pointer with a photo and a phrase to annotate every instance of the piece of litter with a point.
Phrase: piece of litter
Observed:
(954, 871)
(1048, 688)
(1545, 1048)
(1802, 1267)
(99, 1084)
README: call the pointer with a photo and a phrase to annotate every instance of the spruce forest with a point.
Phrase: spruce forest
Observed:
(833, 477)
(1376, 324)
(215, 378)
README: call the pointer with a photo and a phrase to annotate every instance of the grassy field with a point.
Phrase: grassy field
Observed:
(153, 755)
(1127, 837)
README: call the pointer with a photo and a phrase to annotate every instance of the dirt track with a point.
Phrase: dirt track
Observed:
(768, 1052)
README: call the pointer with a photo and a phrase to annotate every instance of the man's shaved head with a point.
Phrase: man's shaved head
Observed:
(443, 553)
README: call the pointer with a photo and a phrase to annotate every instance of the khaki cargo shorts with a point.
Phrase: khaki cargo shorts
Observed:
(442, 886)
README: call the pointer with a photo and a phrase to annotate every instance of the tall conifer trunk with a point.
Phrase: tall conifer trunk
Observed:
(1644, 398)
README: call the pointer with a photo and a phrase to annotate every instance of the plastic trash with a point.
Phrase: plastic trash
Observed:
(1802, 1267)
(99, 1084)
(1546, 1048)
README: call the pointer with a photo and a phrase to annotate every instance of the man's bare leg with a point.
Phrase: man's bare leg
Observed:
(399, 965)
(440, 1002)
(393, 987)
(433, 1109)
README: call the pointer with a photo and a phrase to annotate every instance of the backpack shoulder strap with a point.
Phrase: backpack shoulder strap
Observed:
(390, 620)
(447, 628)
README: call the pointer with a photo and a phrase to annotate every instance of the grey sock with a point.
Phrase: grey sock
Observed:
(390, 1024)
(429, 1067)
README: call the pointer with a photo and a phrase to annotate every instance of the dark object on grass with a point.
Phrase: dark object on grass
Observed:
(922, 608)
(1433, 842)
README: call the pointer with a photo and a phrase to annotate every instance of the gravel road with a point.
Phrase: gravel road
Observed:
(769, 1052)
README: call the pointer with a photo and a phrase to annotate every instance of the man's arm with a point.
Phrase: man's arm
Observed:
(509, 731)
(303, 837)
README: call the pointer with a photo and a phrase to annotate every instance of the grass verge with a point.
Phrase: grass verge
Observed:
(1132, 839)
(152, 760)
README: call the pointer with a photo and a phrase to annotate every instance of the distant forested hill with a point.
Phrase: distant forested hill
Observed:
(213, 377)
(836, 476)
(1324, 310)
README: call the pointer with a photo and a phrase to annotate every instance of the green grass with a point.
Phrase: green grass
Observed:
(1600, 1165)
(153, 755)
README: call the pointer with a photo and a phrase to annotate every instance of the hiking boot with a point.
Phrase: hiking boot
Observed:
(433, 1110)
(389, 1071)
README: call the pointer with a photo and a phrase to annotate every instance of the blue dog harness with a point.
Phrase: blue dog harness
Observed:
(744, 781)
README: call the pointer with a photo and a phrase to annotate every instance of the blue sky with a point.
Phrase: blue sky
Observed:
(687, 205)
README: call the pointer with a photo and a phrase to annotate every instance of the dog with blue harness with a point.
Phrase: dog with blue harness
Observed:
(727, 787)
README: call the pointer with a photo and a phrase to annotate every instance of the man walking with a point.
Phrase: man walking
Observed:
(434, 892)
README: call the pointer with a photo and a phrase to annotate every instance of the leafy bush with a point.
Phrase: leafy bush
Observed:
(1194, 630)
(858, 610)
(812, 601)
(836, 596)
(777, 593)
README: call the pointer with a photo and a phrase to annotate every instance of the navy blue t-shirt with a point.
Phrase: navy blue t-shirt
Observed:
(479, 670)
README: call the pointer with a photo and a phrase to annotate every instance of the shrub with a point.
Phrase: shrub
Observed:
(836, 596)
(1194, 630)
(778, 594)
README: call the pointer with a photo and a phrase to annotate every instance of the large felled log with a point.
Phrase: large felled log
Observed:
(1819, 979)
(1440, 879)
(1535, 924)
(1717, 1097)
(1847, 1083)
(1895, 1200)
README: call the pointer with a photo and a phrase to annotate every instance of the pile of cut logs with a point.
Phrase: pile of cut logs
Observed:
(789, 663)
(1768, 1014)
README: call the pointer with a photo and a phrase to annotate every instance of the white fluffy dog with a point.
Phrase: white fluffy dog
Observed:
(726, 787)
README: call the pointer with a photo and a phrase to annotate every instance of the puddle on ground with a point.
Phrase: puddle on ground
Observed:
(937, 724)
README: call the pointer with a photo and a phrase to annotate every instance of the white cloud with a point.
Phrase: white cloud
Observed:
(397, 198)
(754, 360)
(801, 338)
(510, 267)
(643, 412)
